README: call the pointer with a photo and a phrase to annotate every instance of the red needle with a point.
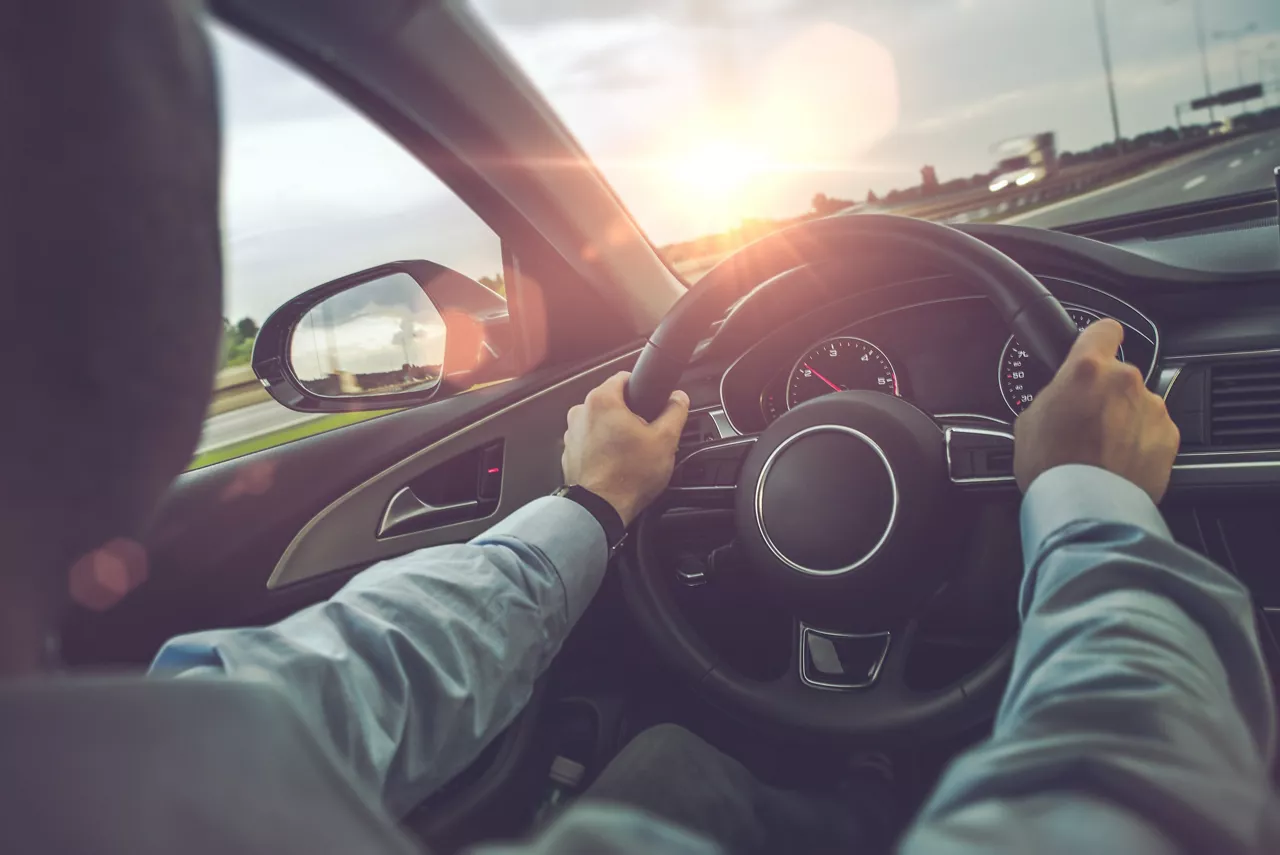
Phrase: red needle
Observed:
(823, 379)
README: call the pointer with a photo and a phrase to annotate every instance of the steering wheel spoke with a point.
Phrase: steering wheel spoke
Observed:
(842, 661)
(707, 476)
(979, 453)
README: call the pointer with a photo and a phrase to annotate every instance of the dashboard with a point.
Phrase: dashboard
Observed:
(931, 341)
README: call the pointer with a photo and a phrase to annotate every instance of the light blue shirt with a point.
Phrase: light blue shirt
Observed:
(1138, 716)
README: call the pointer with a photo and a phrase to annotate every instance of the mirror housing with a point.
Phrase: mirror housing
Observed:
(396, 335)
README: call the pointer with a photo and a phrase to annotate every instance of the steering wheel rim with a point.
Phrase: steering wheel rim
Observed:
(887, 708)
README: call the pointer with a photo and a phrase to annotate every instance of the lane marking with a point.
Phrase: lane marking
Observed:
(1257, 151)
(1194, 182)
(1233, 164)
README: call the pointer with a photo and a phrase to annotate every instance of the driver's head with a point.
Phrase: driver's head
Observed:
(110, 281)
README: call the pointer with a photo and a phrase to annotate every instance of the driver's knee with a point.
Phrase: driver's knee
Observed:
(672, 773)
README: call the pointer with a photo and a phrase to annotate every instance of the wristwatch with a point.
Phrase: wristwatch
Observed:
(615, 533)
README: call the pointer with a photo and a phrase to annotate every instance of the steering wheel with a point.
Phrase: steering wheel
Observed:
(841, 505)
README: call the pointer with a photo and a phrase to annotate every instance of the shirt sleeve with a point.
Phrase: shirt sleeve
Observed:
(419, 661)
(1138, 716)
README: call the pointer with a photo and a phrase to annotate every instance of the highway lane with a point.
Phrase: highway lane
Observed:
(1234, 167)
(247, 423)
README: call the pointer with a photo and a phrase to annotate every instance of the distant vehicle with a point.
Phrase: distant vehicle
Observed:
(1220, 127)
(1031, 159)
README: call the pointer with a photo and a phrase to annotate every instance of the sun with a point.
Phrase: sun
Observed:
(718, 176)
(719, 168)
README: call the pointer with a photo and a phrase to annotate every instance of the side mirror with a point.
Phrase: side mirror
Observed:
(396, 335)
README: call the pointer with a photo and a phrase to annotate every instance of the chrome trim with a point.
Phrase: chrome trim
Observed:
(977, 416)
(786, 395)
(995, 479)
(1174, 373)
(691, 580)
(750, 440)
(1238, 354)
(1244, 464)
(723, 426)
(1230, 453)
(405, 506)
(1154, 329)
(875, 670)
(764, 474)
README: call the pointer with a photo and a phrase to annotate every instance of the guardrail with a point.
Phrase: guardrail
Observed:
(236, 387)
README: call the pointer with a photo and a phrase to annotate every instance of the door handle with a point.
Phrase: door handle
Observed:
(406, 512)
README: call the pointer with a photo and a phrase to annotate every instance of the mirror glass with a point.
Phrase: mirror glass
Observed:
(377, 338)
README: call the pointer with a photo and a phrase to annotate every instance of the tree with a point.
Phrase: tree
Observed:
(824, 205)
(237, 341)
(495, 283)
(247, 329)
(872, 198)
(928, 181)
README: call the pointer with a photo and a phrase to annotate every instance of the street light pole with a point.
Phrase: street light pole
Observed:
(1202, 38)
(1100, 14)
(1235, 37)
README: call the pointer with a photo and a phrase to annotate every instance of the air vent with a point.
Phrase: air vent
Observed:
(1244, 404)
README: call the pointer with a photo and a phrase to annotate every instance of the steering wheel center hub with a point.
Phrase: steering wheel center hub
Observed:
(826, 500)
(841, 501)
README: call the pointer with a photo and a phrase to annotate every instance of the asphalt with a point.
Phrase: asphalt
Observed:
(246, 423)
(1234, 167)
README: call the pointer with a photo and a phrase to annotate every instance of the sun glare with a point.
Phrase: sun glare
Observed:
(719, 167)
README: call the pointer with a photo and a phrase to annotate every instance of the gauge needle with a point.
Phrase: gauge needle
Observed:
(823, 379)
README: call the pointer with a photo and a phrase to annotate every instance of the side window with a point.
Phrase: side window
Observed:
(312, 190)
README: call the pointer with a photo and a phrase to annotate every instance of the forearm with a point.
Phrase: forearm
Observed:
(413, 667)
(1138, 683)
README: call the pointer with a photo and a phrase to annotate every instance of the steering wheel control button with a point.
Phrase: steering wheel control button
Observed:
(826, 500)
(979, 456)
(712, 466)
(836, 660)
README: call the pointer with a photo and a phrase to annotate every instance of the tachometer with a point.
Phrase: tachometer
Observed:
(1022, 376)
(837, 365)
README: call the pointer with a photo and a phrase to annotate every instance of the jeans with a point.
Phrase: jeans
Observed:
(670, 773)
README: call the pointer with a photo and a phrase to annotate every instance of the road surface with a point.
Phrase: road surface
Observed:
(247, 423)
(1234, 167)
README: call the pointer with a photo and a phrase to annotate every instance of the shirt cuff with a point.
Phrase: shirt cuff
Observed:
(570, 538)
(1076, 493)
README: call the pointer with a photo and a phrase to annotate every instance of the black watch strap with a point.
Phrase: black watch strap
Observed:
(605, 514)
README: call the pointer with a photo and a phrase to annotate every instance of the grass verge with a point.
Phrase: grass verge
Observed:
(279, 437)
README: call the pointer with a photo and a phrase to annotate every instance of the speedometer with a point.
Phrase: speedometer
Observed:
(1022, 375)
(837, 365)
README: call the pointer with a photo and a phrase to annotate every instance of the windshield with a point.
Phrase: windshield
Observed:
(716, 120)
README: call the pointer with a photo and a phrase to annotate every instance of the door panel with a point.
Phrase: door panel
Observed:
(224, 529)
(345, 534)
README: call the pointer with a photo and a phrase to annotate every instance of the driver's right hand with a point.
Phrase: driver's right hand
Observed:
(1098, 412)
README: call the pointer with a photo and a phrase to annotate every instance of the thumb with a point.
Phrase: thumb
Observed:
(672, 420)
(1102, 337)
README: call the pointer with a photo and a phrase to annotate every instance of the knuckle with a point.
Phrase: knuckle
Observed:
(1131, 375)
(1087, 368)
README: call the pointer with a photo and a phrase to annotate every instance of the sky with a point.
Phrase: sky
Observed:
(705, 112)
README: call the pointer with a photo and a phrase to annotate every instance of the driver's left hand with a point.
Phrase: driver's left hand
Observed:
(616, 454)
